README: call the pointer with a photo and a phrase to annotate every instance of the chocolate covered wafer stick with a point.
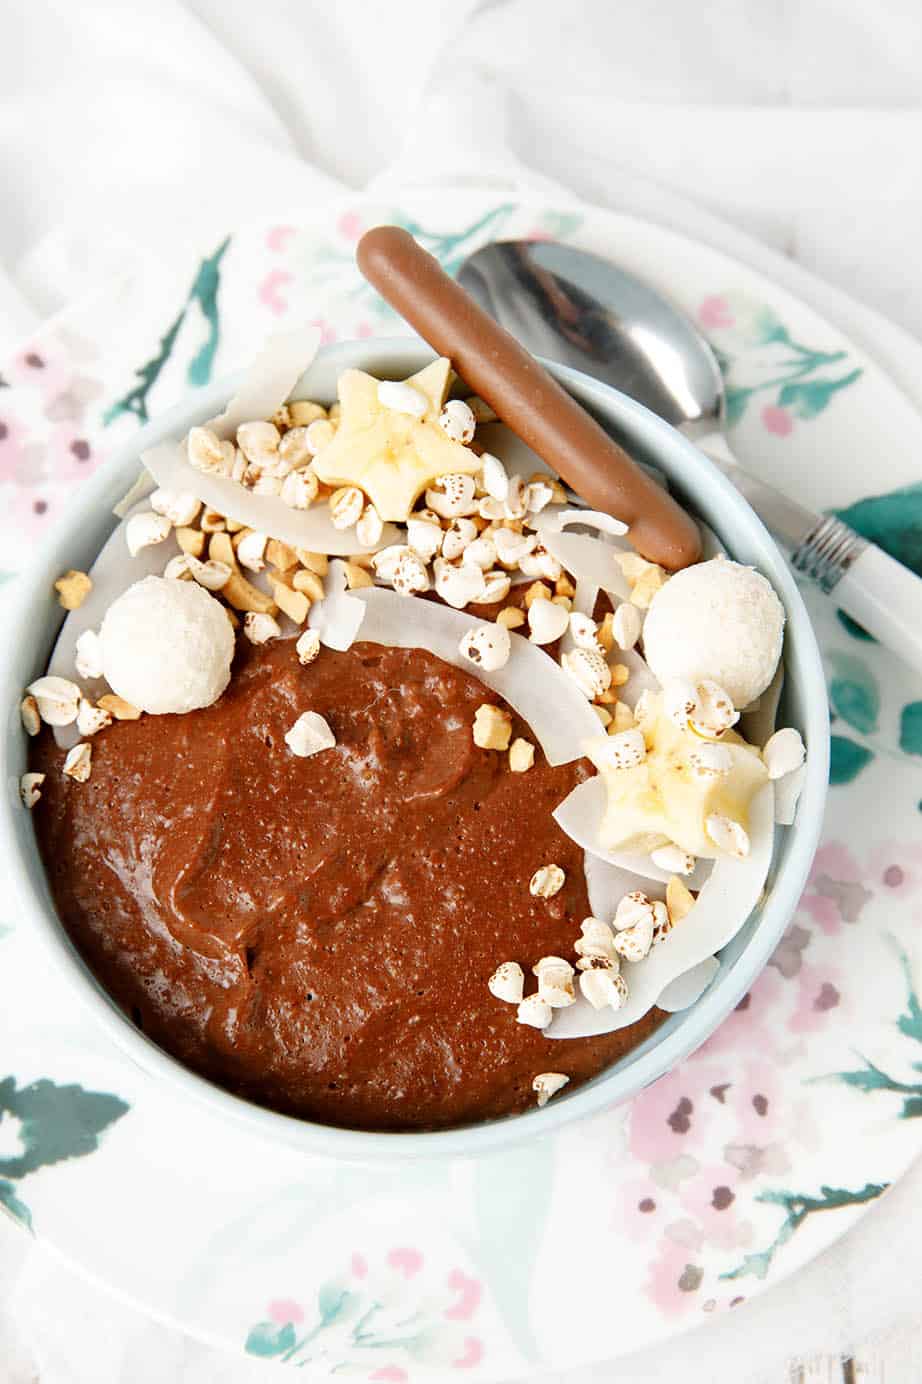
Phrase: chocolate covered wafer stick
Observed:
(523, 395)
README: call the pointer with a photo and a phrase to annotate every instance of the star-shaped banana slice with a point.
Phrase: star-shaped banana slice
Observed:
(392, 454)
(677, 787)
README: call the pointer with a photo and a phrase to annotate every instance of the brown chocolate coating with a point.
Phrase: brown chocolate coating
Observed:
(317, 934)
(525, 396)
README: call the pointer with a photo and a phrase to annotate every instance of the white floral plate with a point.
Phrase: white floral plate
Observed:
(710, 1185)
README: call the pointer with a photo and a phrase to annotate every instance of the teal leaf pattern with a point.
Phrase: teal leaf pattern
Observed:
(911, 728)
(202, 295)
(847, 759)
(893, 521)
(510, 1195)
(57, 1122)
(808, 398)
(854, 693)
(797, 1209)
(16, 1208)
(853, 628)
(869, 1078)
(268, 1339)
(735, 401)
(791, 377)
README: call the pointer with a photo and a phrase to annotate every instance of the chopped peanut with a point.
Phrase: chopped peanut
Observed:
(73, 589)
(303, 412)
(679, 900)
(492, 727)
(535, 592)
(623, 718)
(192, 541)
(511, 616)
(309, 583)
(280, 555)
(119, 708)
(294, 603)
(521, 756)
(356, 576)
(314, 562)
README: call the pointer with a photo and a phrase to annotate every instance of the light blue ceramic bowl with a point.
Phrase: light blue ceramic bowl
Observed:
(702, 488)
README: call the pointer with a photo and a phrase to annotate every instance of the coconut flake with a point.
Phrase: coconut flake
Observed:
(640, 678)
(532, 684)
(726, 900)
(589, 559)
(140, 490)
(757, 721)
(787, 794)
(268, 382)
(688, 988)
(339, 616)
(561, 519)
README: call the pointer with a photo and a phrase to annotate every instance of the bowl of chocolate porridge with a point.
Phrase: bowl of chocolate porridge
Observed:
(371, 788)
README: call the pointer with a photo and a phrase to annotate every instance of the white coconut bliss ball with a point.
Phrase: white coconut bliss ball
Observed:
(716, 620)
(166, 646)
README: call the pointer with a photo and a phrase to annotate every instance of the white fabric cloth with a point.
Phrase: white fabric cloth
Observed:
(129, 132)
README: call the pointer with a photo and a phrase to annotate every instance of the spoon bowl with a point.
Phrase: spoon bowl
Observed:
(590, 315)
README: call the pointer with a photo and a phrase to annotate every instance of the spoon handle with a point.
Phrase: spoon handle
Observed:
(886, 599)
(873, 588)
(525, 396)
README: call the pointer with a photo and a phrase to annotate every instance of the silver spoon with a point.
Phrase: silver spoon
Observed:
(582, 311)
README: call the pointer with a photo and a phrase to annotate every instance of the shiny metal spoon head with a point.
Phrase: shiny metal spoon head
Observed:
(582, 311)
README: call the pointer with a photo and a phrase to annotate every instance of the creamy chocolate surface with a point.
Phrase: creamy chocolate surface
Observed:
(317, 934)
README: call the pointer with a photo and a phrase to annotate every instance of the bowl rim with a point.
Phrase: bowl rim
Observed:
(611, 1086)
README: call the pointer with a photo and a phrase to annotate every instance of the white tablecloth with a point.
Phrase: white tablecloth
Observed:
(767, 128)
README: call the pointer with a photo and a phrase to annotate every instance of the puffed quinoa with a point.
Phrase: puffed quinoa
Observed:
(260, 628)
(346, 505)
(673, 859)
(727, 835)
(458, 421)
(507, 982)
(78, 762)
(28, 713)
(30, 789)
(534, 1012)
(547, 881)
(589, 670)
(487, 646)
(308, 646)
(547, 1084)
